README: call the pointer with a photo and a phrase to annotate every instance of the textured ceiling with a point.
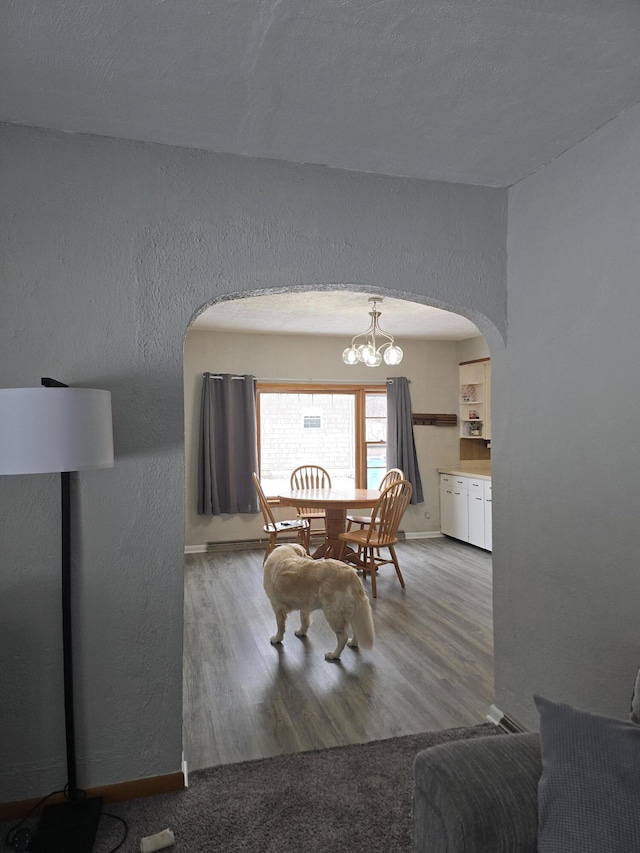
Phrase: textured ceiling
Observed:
(475, 91)
(333, 313)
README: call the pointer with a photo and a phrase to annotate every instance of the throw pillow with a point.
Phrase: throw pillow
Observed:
(589, 791)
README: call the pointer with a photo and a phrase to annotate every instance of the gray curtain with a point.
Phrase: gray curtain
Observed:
(228, 451)
(401, 448)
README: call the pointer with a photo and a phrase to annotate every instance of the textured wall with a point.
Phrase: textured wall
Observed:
(567, 538)
(109, 248)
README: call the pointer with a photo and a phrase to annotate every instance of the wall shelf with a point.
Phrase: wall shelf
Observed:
(424, 419)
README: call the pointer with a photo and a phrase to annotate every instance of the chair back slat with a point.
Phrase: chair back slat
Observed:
(310, 477)
(387, 514)
(392, 476)
(269, 518)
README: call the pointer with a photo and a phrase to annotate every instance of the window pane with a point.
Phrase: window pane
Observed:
(377, 456)
(376, 405)
(376, 429)
(376, 464)
(286, 442)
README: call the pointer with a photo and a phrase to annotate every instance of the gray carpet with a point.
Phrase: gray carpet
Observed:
(349, 798)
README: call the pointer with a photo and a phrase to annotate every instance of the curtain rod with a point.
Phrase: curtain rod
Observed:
(312, 381)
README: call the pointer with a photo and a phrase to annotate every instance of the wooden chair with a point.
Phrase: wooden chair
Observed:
(382, 531)
(311, 477)
(392, 476)
(299, 526)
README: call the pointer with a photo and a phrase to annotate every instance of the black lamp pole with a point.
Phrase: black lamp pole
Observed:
(67, 645)
(68, 827)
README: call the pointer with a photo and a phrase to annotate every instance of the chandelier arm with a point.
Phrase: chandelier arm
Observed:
(363, 334)
(377, 328)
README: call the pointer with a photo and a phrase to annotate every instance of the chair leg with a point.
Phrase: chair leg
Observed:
(270, 547)
(392, 551)
(372, 572)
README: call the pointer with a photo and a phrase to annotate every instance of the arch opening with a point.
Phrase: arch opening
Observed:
(224, 347)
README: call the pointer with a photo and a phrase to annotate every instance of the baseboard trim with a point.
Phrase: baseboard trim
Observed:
(195, 549)
(117, 793)
(504, 721)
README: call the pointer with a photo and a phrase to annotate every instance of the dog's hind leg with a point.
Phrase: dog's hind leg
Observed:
(305, 621)
(281, 618)
(340, 627)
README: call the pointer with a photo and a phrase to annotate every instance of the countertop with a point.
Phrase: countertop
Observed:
(462, 469)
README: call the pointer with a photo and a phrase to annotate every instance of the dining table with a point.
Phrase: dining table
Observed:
(335, 502)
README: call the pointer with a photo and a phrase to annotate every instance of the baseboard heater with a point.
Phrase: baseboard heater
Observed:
(232, 545)
(243, 545)
(504, 721)
(252, 544)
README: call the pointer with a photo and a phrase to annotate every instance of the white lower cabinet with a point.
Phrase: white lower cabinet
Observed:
(488, 517)
(465, 509)
(476, 512)
(454, 506)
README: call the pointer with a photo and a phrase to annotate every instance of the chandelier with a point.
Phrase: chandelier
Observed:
(377, 345)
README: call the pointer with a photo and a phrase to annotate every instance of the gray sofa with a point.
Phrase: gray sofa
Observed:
(477, 796)
(573, 786)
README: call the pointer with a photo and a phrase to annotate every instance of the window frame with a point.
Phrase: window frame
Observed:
(355, 390)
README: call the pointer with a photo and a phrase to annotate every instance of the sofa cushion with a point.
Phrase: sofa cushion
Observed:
(477, 796)
(589, 791)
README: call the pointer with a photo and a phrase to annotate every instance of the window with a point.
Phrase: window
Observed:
(375, 437)
(342, 428)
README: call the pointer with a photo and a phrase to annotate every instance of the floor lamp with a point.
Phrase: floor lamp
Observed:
(45, 430)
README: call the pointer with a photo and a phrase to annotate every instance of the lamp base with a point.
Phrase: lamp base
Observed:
(68, 827)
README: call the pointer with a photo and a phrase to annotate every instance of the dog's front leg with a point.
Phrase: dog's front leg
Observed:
(305, 621)
(281, 618)
(342, 641)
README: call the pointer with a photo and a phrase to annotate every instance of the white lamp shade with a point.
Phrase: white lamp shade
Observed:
(43, 430)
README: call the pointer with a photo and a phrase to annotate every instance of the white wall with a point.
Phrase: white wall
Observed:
(109, 248)
(431, 366)
(565, 465)
(473, 348)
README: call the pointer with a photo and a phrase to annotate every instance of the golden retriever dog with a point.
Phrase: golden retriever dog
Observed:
(295, 581)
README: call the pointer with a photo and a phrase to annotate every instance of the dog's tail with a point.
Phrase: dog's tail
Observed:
(362, 619)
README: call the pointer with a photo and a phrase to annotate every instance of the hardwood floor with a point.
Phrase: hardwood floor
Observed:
(431, 666)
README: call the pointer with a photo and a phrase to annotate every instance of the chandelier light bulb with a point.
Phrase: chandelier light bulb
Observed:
(393, 355)
(368, 352)
(350, 355)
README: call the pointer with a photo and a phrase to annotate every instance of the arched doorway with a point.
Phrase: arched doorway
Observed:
(223, 345)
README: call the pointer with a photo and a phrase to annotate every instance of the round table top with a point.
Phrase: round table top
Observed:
(342, 498)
